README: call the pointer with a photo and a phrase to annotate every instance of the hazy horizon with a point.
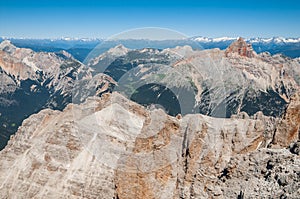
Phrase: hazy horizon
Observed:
(98, 38)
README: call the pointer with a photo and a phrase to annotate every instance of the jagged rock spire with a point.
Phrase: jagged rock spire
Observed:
(241, 48)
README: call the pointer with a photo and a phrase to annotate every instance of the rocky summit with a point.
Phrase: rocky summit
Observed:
(241, 48)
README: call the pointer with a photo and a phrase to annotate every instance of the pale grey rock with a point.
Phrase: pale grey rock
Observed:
(111, 147)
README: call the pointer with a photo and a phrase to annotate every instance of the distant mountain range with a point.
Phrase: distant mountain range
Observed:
(278, 40)
(275, 45)
(80, 48)
(196, 38)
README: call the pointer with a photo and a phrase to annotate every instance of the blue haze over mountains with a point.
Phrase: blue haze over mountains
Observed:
(80, 48)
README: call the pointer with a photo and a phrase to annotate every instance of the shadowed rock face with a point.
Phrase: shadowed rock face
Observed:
(111, 147)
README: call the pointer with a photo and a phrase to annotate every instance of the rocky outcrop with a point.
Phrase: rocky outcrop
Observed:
(266, 173)
(288, 130)
(241, 48)
(111, 147)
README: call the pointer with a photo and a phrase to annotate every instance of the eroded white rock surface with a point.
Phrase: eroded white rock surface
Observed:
(111, 147)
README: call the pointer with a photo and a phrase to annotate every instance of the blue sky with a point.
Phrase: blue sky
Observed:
(101, 19)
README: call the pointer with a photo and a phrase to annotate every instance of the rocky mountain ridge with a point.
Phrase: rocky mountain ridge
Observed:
(227, 84)
(217, 82)
(111, 147)
(31, 81)
(241, 140)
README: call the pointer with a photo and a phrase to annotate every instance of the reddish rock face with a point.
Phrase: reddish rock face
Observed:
(288, 130)
(241, 48)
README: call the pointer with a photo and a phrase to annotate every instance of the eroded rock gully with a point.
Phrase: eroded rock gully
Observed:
(111, 147)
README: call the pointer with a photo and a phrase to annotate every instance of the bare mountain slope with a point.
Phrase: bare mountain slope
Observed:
(31, 81)
(111, 147)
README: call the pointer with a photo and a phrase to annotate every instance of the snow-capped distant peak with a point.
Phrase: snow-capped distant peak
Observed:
(220, 39)
(71, 39)
(293, 40)
(277, 40)
(67, 38)
(225, 39)
(203, 39)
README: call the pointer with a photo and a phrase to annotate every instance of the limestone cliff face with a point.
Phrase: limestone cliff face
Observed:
(111, 147)
(289, 127)
(25, 63)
